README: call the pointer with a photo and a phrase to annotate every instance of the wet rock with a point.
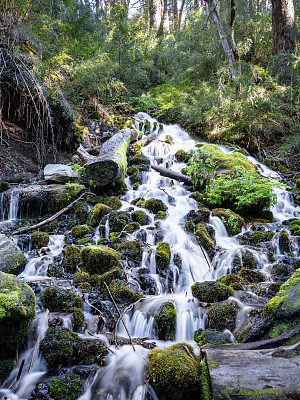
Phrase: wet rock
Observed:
(81, 210)
(148, 284)
(40, 392)
(243, 258)
(97, 213)
(118, 220)
(17, 309)
(211, 291)
(205, 236)
(162, 256)
(132, 250)
(55, 299)
(12, 260)
(281, 272)
(155, 205)
(165, 322)
(232, 221)
(181, 156)
(139, 159)
(210, 336)
(255, 327)
(123, 294)
(99, 259)
(251, 275)
(175, 374)
(4, 186)
(39, 239)
(80, 231)
(59, 173)
(140, 216)
(199, 216)
(222, 315)
(132, 227)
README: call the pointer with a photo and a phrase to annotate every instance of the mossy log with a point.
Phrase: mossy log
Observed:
(111, 163)
(171, 174)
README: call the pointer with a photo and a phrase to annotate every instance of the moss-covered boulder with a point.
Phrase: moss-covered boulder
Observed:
(286, 303)
(205, 236)
(122, 294)
(155, 205)
(234, 281)
(17, 309)
(67, 387)
(260, 236)
(174, 373)
(211, 291)
(242, 259)
(132, 227)
(209, 336)
(72, 258)
(97, 213)
(232, 221)
(132, 250)
(39, 239)
(284, 241)
(139, 159)
(12, 260)
(181, 156)
(62, 347)
(140, 216)
(199, 216)
(107, 277)
(6, 366)
(113, 202)
(56, 299)
(222, 315)
(162, 256)
(118, 220)
(77, 318)
(99, 259)
(165, 322)
(80, 231)
(251, 275)
(81, 209)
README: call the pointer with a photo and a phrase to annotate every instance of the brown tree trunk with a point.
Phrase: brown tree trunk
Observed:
(234, 48)
(180, 13)
(284, 33)
(164, 20)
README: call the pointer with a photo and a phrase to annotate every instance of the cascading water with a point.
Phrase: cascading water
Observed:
(123, 377)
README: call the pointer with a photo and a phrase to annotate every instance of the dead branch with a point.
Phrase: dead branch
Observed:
(171, 174)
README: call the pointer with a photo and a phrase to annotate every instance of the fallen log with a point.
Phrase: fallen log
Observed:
(52, 218)
(121, 341)
(171, 174)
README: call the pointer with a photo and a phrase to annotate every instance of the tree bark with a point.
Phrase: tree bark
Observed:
(180, 14)
(284, 33)
(155, 11)
(234, 48)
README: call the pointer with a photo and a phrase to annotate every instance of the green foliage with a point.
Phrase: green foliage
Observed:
(6, 366)
(202, 169)
(66, 387)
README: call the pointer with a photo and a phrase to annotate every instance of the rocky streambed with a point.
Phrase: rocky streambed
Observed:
(137, 277)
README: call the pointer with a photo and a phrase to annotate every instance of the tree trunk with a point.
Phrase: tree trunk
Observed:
(155, 10)
(234, 48)
(180, 13)
(164, 19)
(284, 33)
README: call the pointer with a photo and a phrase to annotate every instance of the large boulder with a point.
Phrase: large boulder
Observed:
(222, 315)
(55, 299)
(17, 309)
(12, 260)
(99, 259)
(211, 291)
(59, 173)
(165, 322)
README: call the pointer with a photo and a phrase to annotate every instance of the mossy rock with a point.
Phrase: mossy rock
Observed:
(132, 170)
(62, 347)
(99, 259)
(222, 315)
(262, 236)
(160, 215)
(107, 277)
(155, 205)
(6, 366)
(4, 186)
(141, 217)
(139, 159)
(232, 221)
(132, 250)
(81, 209)
(80, 231)
(132, 227)
(210, 337)
(283, 326)
(294, 225)
(136, 179)
(113, 202)
(286, 303)
(118, 220)
(255, 327)
(199, 197)
(162, 256)
(77, 318)
(234, 281)
(66, 387)
(284, 241)
(165, 322)
(211, 291)
(97, 213)
(205, 235)
(72, 258)
(39, 239)
(281, 272)
(199, 216)
(56, 299)
(174, 374)
(63, 195)
(12, 260)
(181, 156)
(251, 275)
(17, 309)
(122, 294)
(243, 259)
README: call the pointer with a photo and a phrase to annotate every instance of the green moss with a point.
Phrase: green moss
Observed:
(80, 231)
(6, 366)
(284, 241)
(39, 239)
(251, 275)
(282, 327)
(210, 336)
(232, 221)
(66, 387)
(123, 294)
(205, 381)
(15, 263)
(118, 220)
(81, 209)
(55, 299)
(99, 259)
(243, 258)
(113, 202)
(232, 280)
(161, 215)
(139, 159)
(204, 237)
(97, 213)
(131, 250)
(132, 170)
(78, 318)
(72, 258)
(62, 195)
(162, 256)
(155, 205)
(165, 322)
(262, 236)
(199, 197)
(190, 226)
(180, 156)
(210, 291)
(140, 216)
(132, 227)
(222, 315)
(17, 309)
(174, 374)
(107, 277)
(84, 241)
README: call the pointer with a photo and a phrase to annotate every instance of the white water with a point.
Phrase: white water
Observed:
(123, 378)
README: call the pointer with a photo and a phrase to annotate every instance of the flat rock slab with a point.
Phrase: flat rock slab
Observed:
(255, 374)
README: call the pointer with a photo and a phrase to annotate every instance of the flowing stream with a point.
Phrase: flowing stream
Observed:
(124, 376)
